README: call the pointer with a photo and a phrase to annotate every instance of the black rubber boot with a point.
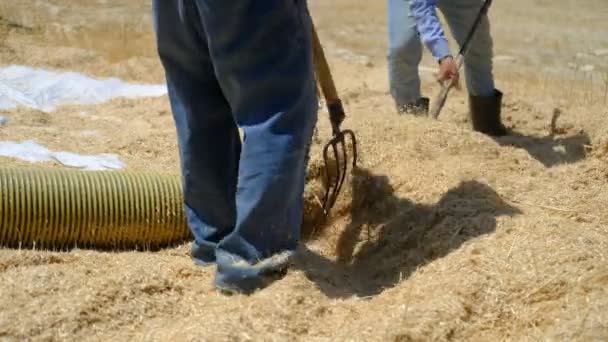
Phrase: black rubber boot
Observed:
(485, 114)
(420, 107)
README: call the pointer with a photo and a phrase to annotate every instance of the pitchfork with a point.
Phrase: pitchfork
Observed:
(337, 144)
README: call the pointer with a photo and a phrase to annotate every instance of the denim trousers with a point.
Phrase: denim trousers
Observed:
(240, 64)
(405, 48)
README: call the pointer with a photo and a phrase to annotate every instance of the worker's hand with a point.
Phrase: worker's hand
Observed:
(448, 70)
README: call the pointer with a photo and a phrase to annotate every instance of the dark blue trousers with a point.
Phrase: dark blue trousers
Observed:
(247, 64)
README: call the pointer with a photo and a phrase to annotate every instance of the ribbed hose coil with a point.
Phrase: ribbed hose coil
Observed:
(56, 209)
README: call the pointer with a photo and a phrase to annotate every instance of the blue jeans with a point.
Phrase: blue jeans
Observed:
(247, 64)
(405, 48)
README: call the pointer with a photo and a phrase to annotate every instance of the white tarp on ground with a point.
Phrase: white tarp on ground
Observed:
(44, 90)
(31, 151)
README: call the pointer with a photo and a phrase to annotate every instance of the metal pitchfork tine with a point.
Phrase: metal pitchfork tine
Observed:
(337, 143)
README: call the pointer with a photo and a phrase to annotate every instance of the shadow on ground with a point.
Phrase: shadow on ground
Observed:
(389, 237)
(550, 150)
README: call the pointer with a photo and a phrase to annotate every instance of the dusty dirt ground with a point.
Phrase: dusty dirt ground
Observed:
(443, 234)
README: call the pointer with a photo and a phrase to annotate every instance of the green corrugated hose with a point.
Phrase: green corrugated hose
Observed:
(52, 208)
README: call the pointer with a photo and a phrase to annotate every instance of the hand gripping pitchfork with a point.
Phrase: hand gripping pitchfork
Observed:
(337, 144)
(447, 85)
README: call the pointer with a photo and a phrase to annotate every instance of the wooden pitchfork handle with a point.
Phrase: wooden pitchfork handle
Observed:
(446, 86)
(328, 87)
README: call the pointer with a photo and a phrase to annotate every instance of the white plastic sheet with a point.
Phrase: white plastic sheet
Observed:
(44, 90)
(33, 152)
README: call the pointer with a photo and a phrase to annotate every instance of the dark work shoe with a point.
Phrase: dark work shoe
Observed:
(237, 276)
(485, 114)
(203, 254)
(419, 107)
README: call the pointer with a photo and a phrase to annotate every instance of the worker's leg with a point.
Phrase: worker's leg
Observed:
(484, 100)
(207, 134)
(404, 56)
(263, 60)
(460, 15)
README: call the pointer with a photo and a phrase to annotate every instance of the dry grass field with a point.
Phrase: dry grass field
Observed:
(443, 234)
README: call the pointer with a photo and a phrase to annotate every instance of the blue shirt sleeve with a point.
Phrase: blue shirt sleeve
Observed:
(429, 26)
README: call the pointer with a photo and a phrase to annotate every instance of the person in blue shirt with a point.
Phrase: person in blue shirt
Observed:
(240, 64)
(413, 22)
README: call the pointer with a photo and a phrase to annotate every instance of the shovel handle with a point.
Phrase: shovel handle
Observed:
(446, 86)
(443, 93)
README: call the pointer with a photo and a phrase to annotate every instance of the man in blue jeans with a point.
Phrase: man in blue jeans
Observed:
(247, 64)
(413, 21)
